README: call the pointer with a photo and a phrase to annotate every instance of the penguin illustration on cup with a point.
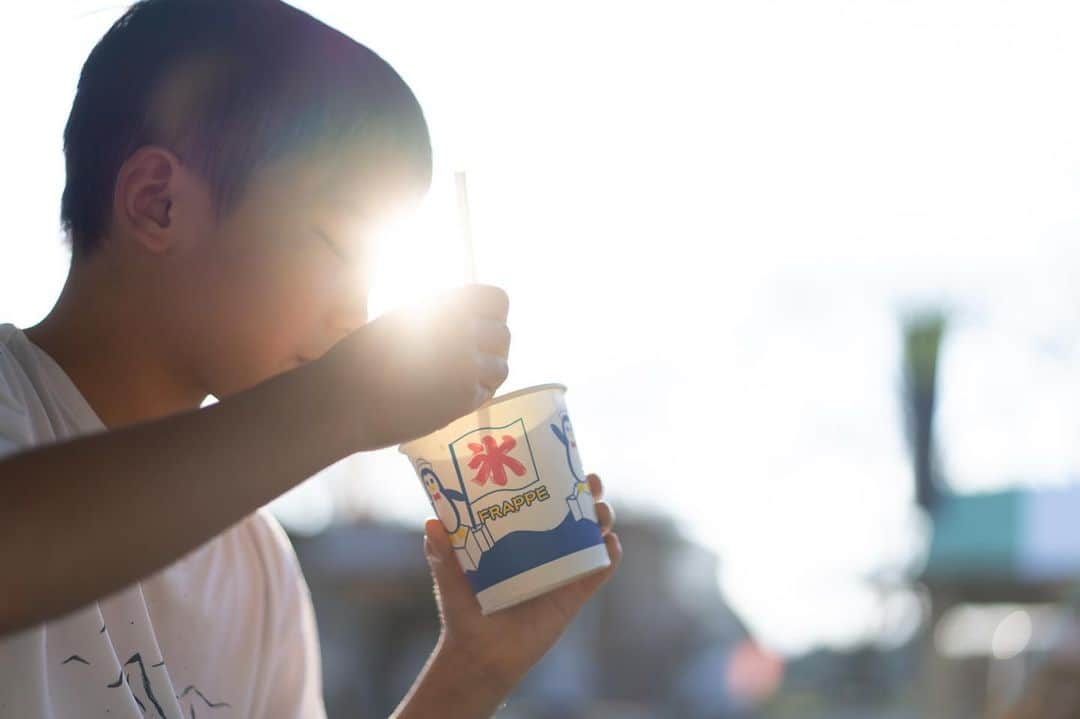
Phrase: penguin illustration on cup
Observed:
(451, 507)
(579, 485)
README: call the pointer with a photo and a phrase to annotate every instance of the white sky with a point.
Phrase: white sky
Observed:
(709, 217)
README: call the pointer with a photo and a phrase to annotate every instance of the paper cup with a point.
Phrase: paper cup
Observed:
(507, 483)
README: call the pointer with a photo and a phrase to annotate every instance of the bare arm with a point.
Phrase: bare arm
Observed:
(450, 687)
(84, 518)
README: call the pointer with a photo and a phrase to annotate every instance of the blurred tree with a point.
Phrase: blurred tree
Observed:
(922, 335)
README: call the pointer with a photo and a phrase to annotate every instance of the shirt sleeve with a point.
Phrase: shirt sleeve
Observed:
(16, 427)
(291, 685)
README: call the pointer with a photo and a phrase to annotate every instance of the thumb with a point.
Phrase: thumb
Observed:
(454, 593)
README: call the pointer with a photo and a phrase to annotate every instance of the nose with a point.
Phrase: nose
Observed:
(347, 318)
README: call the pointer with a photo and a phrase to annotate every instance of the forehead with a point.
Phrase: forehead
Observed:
(362, 182)
(353, 187)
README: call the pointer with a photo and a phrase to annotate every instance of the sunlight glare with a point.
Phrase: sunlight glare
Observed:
(418, 255)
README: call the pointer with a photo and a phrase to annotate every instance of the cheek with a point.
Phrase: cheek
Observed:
(264, 305)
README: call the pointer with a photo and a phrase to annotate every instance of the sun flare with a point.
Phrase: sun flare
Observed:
(418, 255)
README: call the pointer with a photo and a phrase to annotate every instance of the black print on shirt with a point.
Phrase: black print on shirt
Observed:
(212, 705)
(190, 696)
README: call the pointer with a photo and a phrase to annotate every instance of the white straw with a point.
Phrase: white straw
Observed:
(465, 225)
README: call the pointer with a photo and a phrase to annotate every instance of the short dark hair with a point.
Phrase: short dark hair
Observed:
(229, 86)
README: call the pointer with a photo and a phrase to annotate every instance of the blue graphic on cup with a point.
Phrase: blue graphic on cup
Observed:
(579, 490)
(516, 502)
(452, 509)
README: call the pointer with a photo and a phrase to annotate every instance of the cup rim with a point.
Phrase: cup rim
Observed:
(501, 398)
(520, 392)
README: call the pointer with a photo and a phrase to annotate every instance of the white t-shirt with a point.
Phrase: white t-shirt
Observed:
(226, 632)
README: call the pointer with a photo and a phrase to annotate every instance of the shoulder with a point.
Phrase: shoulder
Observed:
(31, 381)
(276, 557)
(291, 670)
(14, 379)
(17, 396)
(265, 528)
(289, 623)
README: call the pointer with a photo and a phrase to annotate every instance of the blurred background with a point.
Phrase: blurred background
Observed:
(809, 270)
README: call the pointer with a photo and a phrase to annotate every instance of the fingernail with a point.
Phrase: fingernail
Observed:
(429, 548)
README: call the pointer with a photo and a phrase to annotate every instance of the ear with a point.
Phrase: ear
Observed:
(143, 198)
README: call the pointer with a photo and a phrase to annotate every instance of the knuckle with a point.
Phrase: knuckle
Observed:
(497, 301)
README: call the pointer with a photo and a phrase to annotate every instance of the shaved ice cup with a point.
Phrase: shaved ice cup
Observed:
(507, 483)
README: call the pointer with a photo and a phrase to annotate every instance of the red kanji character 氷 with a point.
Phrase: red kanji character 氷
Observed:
(491, 460)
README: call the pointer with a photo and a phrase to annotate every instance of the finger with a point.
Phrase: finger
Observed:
(464, 388)
(492, 336)
(454, 592)
(487, 301)
(575, 594)
(492, 371)
(605, 516)
(615, 554)
(596, 487)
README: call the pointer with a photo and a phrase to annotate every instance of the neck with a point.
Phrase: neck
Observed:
(118, 359)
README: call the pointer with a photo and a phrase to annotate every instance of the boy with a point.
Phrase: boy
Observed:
(227, 163)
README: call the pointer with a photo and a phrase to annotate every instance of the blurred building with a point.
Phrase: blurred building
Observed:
(1000, 570)
(1001, 576)
(853, 684)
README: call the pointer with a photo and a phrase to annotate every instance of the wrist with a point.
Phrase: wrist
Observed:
(454, 685)
(496, 674)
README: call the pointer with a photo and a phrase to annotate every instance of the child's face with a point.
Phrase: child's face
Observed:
(285, 274)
